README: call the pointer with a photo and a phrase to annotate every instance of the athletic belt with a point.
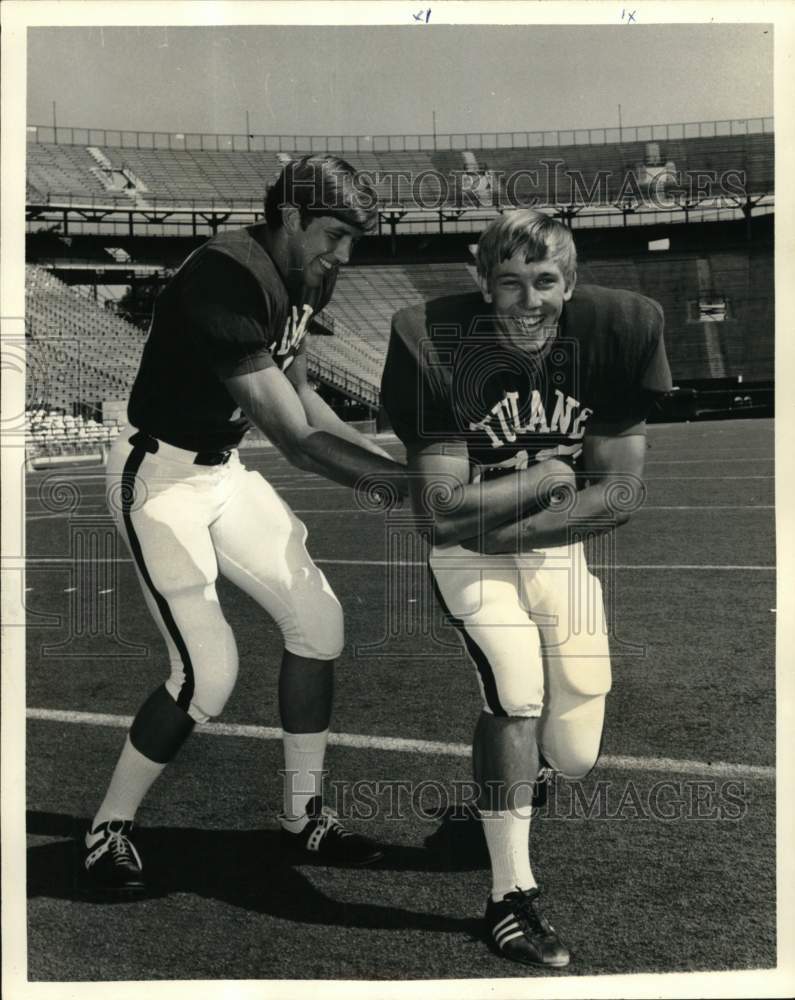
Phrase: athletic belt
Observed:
(143, 440)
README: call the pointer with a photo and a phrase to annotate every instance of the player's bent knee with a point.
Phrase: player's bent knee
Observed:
(518, 694)
(571, 739)
(212, 674)
(512, 706)
(323, 649)
(316, 633)
(573, 765)
(518, 709)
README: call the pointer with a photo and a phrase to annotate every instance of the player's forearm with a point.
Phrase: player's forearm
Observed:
(477, 509)
(320, 416)
(595, 511)
(344, 462)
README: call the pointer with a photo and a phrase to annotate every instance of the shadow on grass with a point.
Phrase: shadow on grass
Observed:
(243, 868)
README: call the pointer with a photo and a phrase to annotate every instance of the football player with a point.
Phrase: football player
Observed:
(227, 349)
(523, 410)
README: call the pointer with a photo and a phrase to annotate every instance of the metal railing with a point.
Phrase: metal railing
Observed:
(146, 204)
(336, 325)
(234, 142)
(342, 379)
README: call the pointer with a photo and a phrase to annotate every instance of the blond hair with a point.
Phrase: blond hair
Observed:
(537, 235)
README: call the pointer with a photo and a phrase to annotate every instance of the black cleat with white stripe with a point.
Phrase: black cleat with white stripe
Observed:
(112, 866)
(519, 930)
(324, 838)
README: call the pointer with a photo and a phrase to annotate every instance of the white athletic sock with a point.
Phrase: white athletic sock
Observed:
(303, 766)
(508, 840)
(131, 780)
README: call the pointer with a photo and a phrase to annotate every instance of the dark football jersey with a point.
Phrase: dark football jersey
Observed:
(226, 312)
(446, 376)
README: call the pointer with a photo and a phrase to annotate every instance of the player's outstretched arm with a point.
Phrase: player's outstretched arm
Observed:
(459, 510)
(320, 415)
(613, 471)
(269, 399)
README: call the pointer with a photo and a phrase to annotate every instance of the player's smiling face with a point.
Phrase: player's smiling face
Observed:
(527, 299)
(321, 248)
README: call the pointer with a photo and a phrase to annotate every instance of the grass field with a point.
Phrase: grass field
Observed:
(673, 871)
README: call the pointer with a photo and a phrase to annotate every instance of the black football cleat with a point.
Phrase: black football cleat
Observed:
(324, 838)
(518, 930)
(112, 866)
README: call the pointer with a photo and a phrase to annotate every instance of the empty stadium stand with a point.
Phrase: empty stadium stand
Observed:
(79, 354)
(718, 302)
(749, 154)
(719, 313)
(51, 432)
(62, 169)
(366, 297)
(404, 177)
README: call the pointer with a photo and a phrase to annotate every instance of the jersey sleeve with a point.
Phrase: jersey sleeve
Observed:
(229, 317)
(413, 398)
(637, 371)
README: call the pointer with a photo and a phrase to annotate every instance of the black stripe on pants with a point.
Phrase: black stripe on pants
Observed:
(476, 654)
(131, 467)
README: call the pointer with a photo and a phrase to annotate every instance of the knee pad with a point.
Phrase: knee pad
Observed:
(514, 688)
(582, 660)
(203, 686)
(571, 765)
(571, 736)
(514, 706)
(588, 676)
(504, 646)
(314, 628)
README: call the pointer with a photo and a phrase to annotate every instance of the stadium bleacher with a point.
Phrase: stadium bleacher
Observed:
(718, 304)
(223, 175)
(751, 154)
(87, 354)
(366, 297)
(62, 169)
(82, 354)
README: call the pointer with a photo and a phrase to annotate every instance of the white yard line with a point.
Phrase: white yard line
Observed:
(20, 561)
(702, 461)
(358, 510)
(712, 479)
(723, 769)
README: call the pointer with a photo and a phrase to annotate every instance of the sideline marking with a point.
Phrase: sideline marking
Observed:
(395, 744)
(699, 461)
(360, 510)
(61, 560)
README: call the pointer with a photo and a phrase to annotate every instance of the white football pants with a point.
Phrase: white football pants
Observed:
(534, 626)
(185, 522)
